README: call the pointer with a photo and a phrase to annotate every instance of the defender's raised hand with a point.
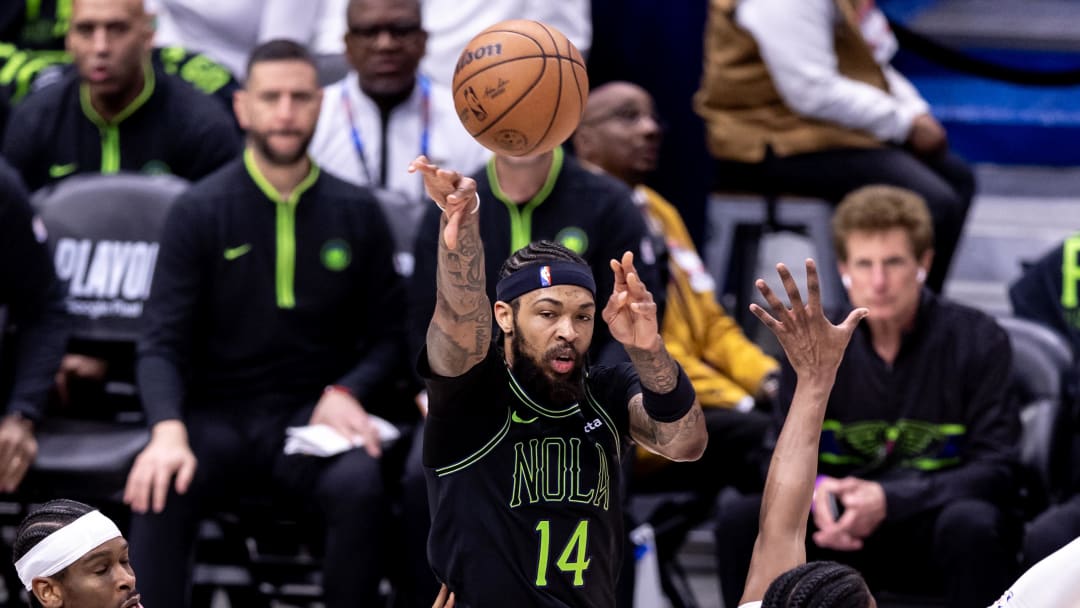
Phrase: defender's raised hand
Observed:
(813, 345)
(631, 312)
(451, 191)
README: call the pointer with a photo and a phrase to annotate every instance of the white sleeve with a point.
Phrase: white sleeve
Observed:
(904, 92)
(1052, 583)
(289, 19)
(571, 17)
(796, 43)
(330, 27)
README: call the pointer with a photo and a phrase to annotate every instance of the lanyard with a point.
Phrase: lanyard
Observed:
(425, 123)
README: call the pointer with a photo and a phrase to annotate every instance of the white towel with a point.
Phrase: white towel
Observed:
(322, 440)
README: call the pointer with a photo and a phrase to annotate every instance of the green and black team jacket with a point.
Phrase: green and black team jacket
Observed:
(169, 128)
(937, 425)
(259, 299)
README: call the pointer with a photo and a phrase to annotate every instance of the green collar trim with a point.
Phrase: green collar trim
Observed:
(545, 190)
(269, 190)
(521, 215)
(149, 83)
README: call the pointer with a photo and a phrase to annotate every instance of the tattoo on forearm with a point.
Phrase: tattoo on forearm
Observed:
(658, 371)
(460, 330)
(661, 435)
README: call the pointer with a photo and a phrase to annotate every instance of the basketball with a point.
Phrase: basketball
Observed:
(520, 87)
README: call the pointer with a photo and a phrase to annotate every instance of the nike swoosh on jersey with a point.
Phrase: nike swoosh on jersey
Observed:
(234, 252)
(57, 171)
(520, 420)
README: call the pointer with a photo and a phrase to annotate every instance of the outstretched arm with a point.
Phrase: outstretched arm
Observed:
(814, 346)
(665, 417)
(459, 334)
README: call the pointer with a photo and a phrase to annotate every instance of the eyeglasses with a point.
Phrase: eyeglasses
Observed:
(397, 31)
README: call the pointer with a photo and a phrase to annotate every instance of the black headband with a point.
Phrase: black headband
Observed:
(544, 274)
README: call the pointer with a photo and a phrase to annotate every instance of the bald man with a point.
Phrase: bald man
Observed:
(385, 111)
(114, 113)
(620, 134)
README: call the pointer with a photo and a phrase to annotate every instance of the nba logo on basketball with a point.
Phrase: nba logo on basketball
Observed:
(545, 276)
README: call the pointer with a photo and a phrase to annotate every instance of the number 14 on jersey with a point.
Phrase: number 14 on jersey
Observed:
(571, 560)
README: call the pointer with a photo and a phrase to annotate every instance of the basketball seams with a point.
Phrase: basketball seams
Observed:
(558, 96)
(501, 131)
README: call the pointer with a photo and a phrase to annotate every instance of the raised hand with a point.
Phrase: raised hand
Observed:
(452, 192)
(814, 346)
(631, 312)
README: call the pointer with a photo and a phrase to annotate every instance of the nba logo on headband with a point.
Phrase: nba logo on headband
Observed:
(545, 276)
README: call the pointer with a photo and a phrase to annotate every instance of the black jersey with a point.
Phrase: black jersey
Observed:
(526, 499)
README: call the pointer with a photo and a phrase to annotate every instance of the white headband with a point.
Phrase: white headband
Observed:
(65, 546)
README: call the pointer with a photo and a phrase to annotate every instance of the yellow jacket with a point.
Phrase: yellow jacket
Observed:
(723, 365)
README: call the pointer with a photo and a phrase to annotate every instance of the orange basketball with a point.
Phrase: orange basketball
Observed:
(520, 87)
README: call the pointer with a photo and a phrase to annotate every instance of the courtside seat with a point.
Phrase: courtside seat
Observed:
(739, 225)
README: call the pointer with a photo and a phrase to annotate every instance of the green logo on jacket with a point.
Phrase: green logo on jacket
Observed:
(336, 255)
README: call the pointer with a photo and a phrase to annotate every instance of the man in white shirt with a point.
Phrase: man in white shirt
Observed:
(384, 113)
(828, 114)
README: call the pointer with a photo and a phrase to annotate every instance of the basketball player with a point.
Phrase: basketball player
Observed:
(523, 440)
(69, 555)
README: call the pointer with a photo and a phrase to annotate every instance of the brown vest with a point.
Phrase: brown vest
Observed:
(742, 109)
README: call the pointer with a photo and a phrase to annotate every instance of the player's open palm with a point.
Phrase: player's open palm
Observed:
(812, 343)
(452, 192)
(631, 312)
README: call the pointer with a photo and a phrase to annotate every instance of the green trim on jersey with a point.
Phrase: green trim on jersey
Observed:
(285, 263)
(521, 216)
(477, 455)
(110, 130)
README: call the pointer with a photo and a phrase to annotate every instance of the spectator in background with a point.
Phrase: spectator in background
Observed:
(1049, 292)
(274, 304)
(918, 444)
(620, 135)
(385, 113)
(116, 113)
(34, 303)
(800, 98)
(32, 55)
(228, 31)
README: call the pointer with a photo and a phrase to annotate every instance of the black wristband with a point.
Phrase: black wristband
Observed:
(672, 405)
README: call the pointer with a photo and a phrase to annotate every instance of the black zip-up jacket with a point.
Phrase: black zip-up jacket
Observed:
(937, 425)
(33, 298)
(257, 299)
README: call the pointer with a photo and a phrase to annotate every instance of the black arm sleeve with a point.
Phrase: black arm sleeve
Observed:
(382, 338)
(165, 347)
(992, 424)
(214, 140)
(35, 300)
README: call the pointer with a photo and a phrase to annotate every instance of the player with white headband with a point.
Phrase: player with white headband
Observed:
(69, 555)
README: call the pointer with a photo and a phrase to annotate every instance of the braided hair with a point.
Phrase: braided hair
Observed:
(538, 251)
(40, 523)
(818, 585)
